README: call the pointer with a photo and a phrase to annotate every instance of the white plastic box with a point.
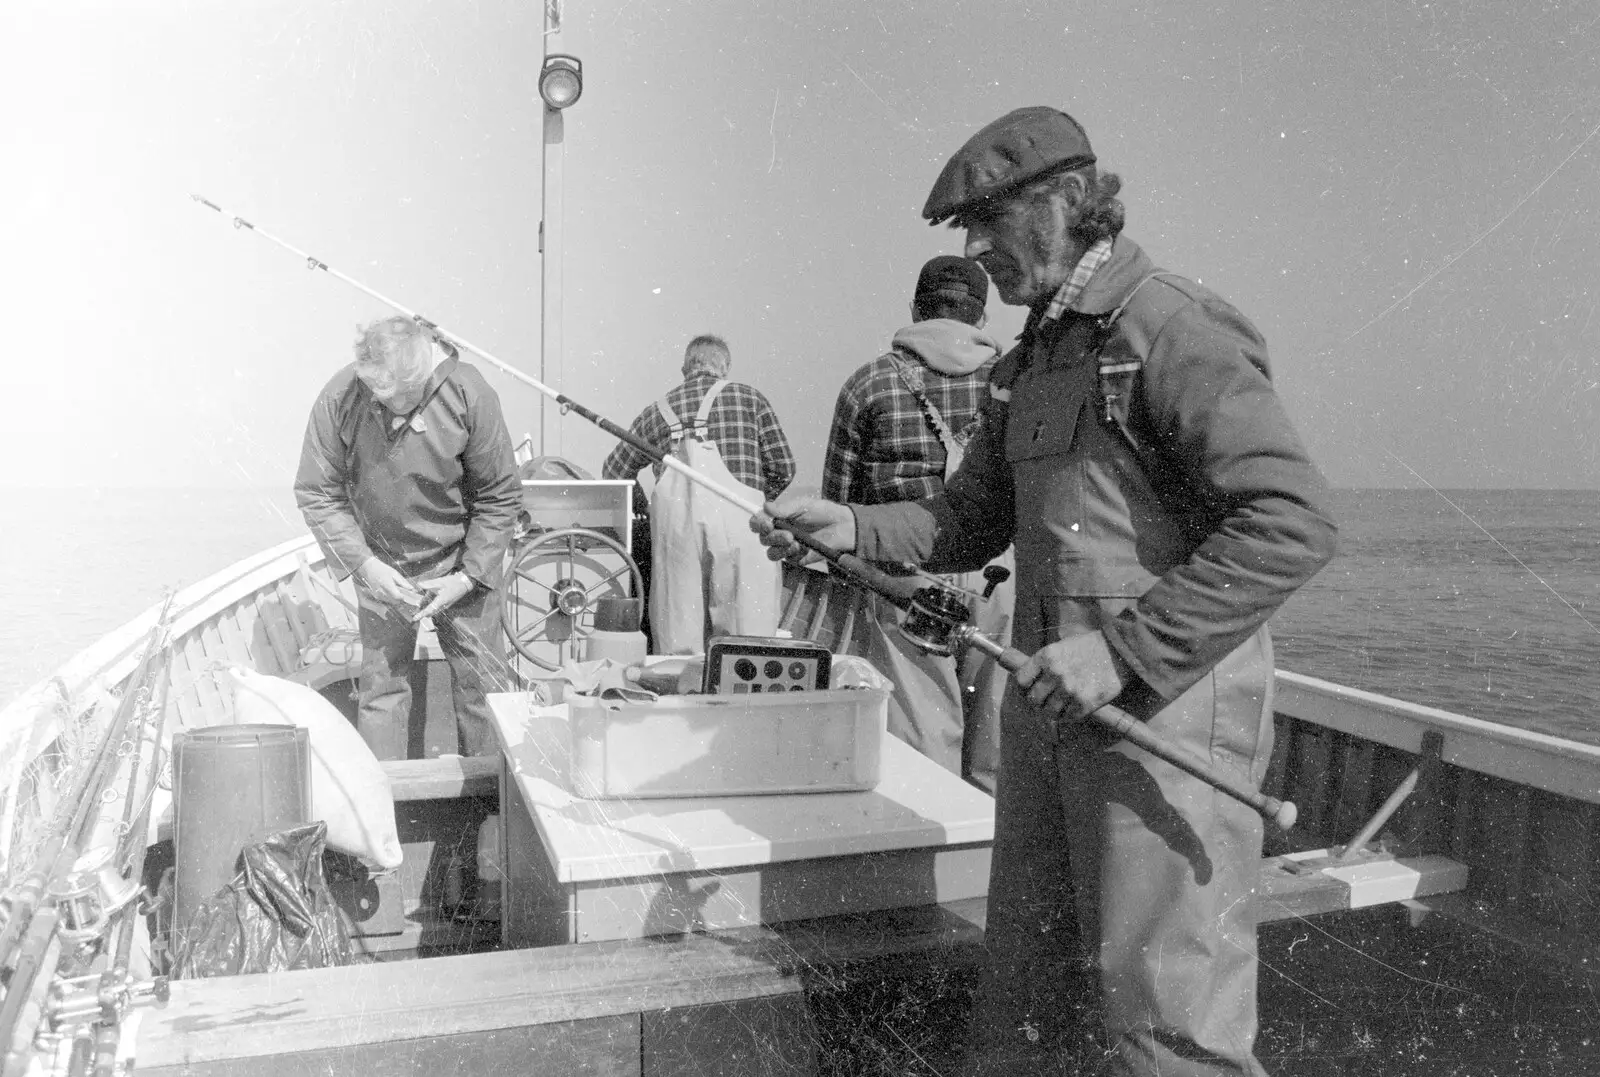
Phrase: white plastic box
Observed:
(717, 745)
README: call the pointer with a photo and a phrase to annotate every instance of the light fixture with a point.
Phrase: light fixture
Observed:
(561, 80)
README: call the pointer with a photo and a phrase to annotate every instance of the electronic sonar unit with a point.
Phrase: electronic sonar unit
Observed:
(737, 665)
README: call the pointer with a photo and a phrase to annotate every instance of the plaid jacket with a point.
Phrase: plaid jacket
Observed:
(881, 447)
(742, 424)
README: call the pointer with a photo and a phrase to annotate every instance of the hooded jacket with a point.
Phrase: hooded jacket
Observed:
(881, 447)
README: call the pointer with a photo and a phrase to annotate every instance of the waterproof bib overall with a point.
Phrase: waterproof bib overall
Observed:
(710, 575)
(948, 709)
(1122, 889)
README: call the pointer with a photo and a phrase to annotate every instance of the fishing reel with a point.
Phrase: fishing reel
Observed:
(938, 618)
(91, 894)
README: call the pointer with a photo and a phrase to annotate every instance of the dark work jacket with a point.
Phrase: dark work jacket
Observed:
(1184, 549)
(427, 501)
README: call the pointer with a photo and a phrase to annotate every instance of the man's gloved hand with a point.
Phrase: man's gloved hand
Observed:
(386, 582)
(446, 591)
(829, 522)
(1072, 678)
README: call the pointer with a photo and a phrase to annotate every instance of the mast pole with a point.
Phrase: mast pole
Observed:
(551, 154)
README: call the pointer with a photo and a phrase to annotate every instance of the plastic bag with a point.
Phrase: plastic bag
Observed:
(276, 914)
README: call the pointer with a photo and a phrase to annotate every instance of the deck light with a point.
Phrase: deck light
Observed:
(561, 80)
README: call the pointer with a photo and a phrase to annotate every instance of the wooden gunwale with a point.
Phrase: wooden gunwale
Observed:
(1535, 760)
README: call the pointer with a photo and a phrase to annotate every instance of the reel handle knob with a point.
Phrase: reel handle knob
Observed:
(994, 576)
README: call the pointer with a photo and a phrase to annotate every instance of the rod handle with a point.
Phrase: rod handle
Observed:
(1281, 812)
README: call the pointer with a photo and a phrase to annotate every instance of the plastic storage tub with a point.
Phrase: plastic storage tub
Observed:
(717, 745)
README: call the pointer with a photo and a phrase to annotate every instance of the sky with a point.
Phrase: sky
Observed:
(1401, 195)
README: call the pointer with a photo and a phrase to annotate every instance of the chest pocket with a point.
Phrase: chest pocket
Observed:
(1048, 428)
(1050, 400)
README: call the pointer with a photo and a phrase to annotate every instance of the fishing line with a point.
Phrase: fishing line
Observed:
(1309, 923)
(754, 508)
(1463, 252)
(937, 619)
(1575, 612)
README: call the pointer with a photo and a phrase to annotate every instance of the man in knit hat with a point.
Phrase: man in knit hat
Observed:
(1162, 507)
(900, 426)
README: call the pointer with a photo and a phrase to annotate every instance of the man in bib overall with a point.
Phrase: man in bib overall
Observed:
(1162, 507)
(709, 576)
(900, 426)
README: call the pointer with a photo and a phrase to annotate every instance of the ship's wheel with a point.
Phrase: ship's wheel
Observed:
(557, 578)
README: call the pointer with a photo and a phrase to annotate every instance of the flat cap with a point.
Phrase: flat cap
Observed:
(1018, 148)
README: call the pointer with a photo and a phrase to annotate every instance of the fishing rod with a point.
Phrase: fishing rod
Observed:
(68, 896)
(936, 617)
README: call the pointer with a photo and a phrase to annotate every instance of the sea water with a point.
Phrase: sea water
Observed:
(1483, 602)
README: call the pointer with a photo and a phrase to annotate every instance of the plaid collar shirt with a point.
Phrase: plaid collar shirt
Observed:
(742, 424)
(1068, 293)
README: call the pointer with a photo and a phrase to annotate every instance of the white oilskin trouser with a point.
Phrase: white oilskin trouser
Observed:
(710, 575)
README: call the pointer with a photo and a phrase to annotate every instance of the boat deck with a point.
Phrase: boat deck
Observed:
(1491, 974)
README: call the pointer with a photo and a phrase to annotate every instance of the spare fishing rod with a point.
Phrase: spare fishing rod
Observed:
(936, 617)
(66, 901)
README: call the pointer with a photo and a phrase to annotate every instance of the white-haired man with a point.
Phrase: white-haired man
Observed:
(407, 481)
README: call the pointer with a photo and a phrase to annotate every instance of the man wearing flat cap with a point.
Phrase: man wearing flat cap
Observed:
(900, 427)
(1162, 508)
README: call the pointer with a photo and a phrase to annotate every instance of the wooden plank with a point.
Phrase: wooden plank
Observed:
(212, 1022)
(215, 648)
(281, 598)
(1559, 866)
(1353, 800)
(601, 1047)
(721, 899)
(263, 657)
(306, 601)
(1421, 823)
(319, 1009)
(337, 607)
(1577, 950)
(205, 684)
(444, 778)
(1301, 884)
(1310, 784)
(819, 616)
(1463, 832)
(1499, 813)
(1515, 846)
(1587, 917)
(236, 643)
(183, 698)
(1539, 761)
(768, 1036)
(274, 628)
